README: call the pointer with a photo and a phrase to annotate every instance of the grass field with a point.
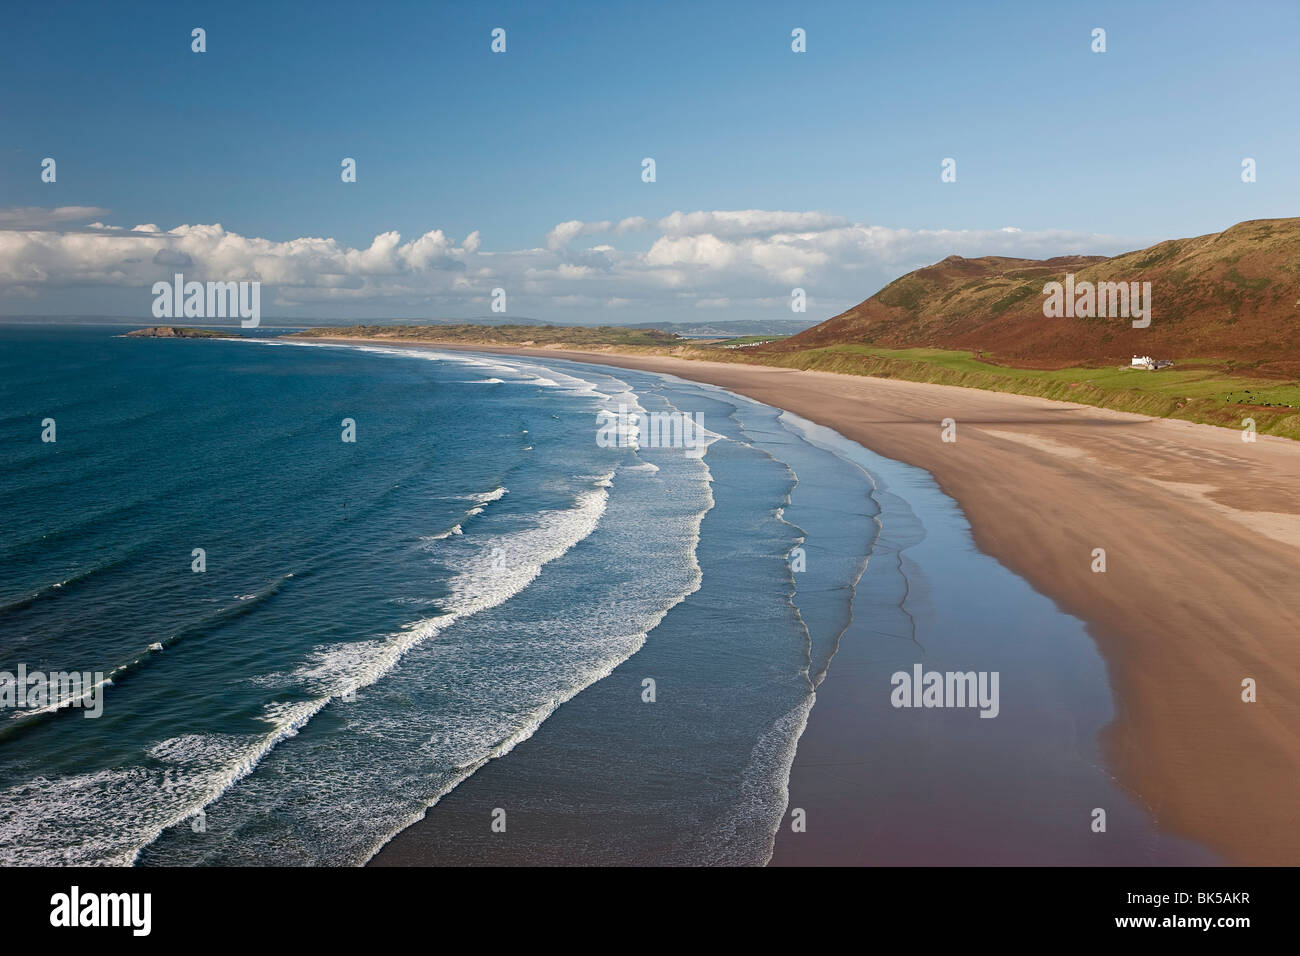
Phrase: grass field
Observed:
(1196, 390)
(538, 335)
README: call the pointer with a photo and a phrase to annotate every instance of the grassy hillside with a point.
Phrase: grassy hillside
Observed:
(1229, 295)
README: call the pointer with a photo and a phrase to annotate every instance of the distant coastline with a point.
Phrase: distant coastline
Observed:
(1196, 391)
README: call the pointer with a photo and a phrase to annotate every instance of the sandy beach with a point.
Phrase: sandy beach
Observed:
(1201, 533)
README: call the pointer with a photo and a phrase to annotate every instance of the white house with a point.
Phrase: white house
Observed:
(1147, 362)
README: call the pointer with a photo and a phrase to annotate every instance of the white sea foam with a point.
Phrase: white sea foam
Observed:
(495, 494)
(481, 500)
(487, 575)
(107, 816)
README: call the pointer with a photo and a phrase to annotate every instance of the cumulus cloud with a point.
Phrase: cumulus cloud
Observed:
(719, 260)
(566, 232)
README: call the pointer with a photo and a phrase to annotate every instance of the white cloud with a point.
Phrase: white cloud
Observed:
(738, 259)
(566, 232)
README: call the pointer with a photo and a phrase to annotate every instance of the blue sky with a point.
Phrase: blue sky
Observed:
(1080, 151)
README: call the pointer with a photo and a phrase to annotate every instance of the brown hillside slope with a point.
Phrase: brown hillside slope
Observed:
(1230, 295)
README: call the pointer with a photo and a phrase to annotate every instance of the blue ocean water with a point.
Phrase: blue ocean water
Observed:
(376, 619)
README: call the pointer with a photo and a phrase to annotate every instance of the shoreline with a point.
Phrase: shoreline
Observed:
(901, 787)
(1201, 533)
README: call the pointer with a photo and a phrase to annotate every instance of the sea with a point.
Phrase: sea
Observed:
(353, 604)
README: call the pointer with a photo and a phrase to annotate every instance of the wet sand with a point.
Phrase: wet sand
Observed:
(1202, 584)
